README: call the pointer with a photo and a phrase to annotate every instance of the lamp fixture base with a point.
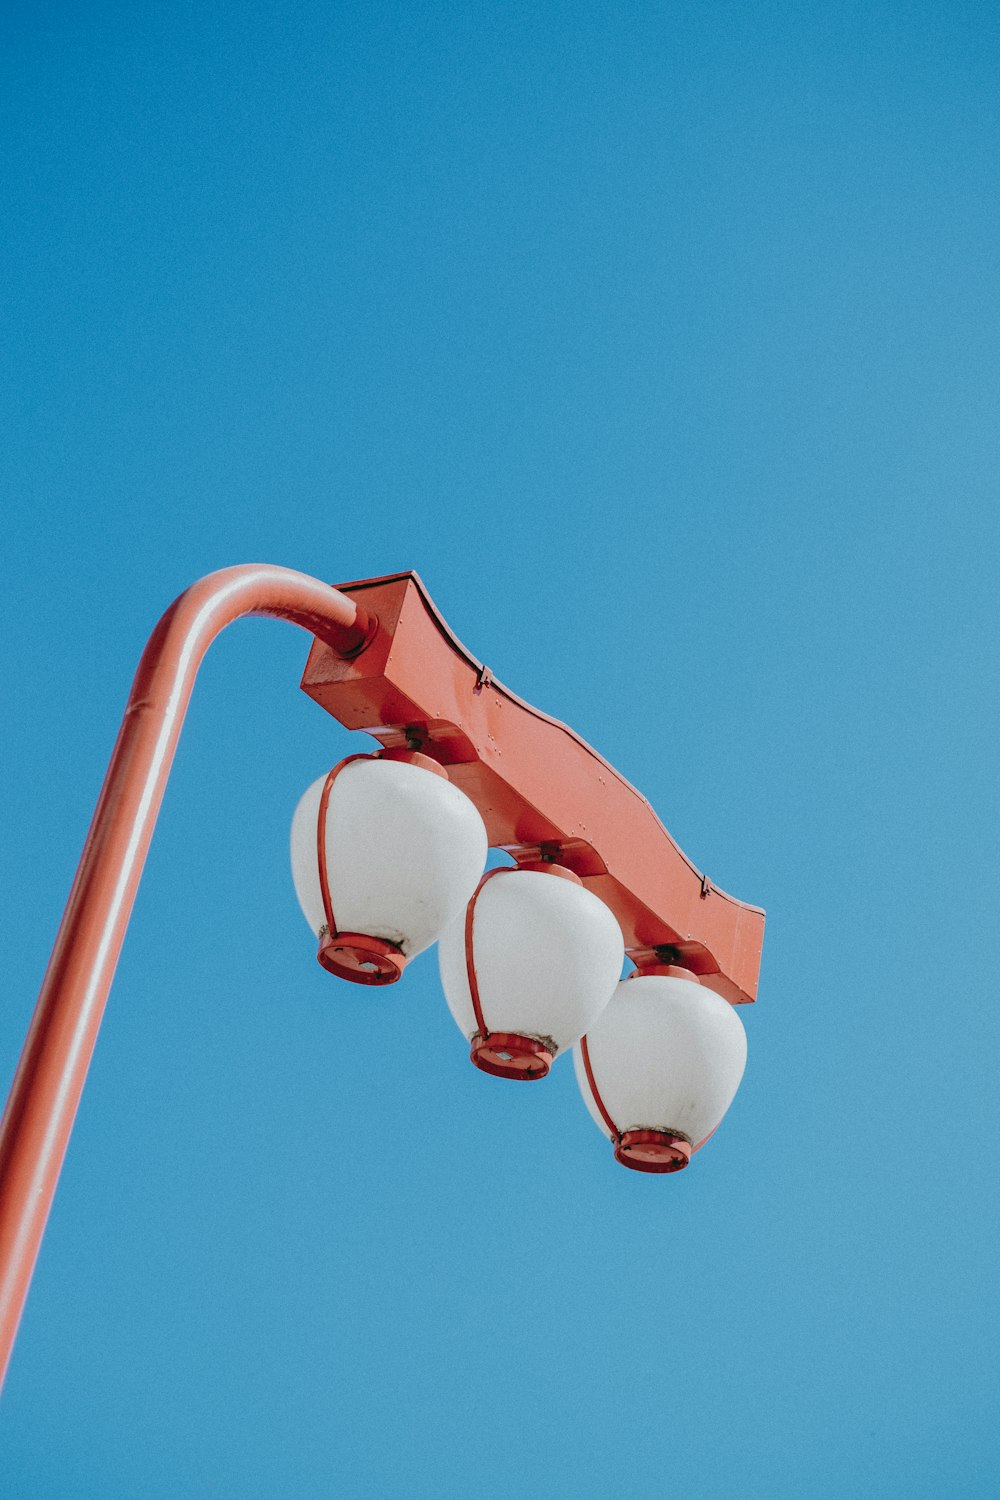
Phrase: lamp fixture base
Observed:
(504, 1054)
(359, 958)
(653, 1151)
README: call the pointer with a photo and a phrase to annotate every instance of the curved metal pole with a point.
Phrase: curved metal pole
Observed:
(50, 1076)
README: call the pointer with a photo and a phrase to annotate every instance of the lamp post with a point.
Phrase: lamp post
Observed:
(387, 854)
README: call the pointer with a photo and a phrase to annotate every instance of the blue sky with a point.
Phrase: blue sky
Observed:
(662, 340)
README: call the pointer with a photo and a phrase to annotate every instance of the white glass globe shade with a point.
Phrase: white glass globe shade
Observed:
(404, 852)
(666, 1056)
(546, 955)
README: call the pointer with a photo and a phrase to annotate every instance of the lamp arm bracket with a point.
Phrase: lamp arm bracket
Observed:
(536, 783)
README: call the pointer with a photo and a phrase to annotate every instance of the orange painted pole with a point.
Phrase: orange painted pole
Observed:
(50, 1076)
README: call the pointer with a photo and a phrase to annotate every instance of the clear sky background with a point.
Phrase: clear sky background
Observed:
(662, 340)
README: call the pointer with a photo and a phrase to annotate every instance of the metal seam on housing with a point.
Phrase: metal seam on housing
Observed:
(470, 961)
(324, 880)
(616, 1134)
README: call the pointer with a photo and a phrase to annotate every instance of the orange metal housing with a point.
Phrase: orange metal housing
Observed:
(541, 790)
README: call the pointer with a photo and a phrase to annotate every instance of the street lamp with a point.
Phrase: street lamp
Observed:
(528, 967)
(385, 853)
(664, 1050)
(388, 852)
